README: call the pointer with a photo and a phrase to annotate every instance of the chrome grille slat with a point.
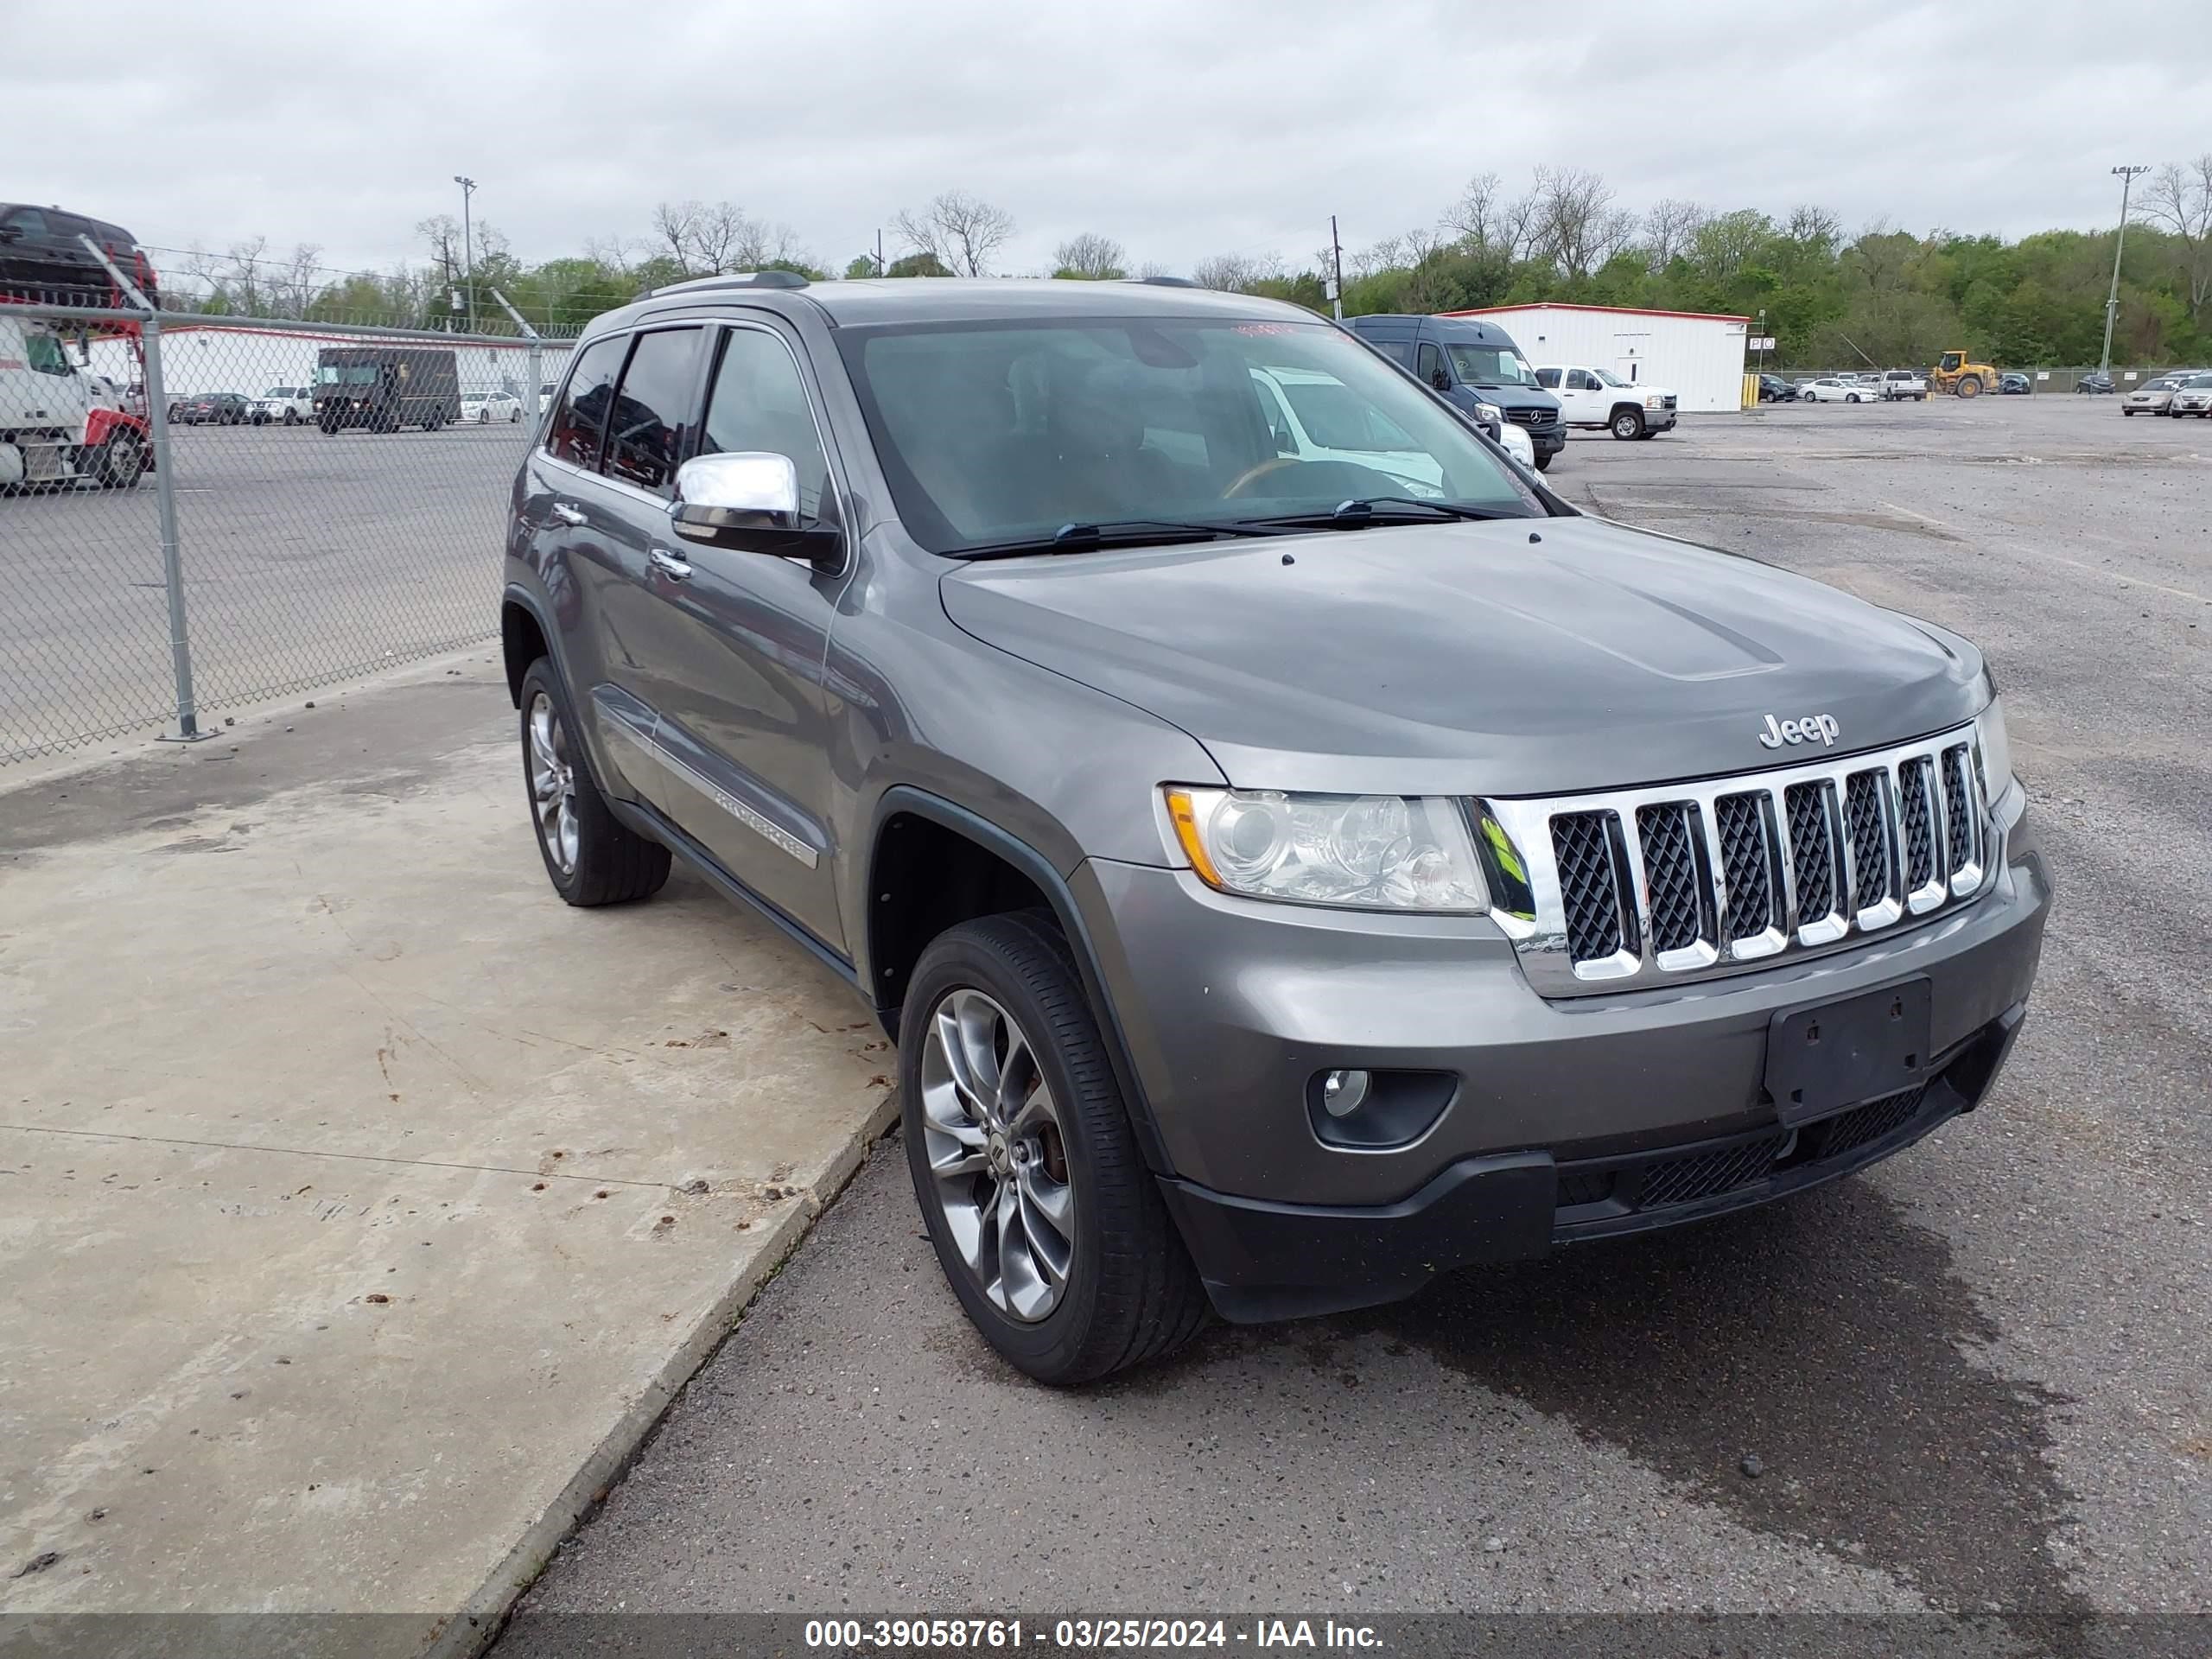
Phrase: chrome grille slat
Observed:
(1664, 883)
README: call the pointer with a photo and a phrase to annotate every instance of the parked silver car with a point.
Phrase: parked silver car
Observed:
(2195, 398)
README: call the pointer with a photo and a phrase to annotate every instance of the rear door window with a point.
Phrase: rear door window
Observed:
(580, 416)
(655, 409)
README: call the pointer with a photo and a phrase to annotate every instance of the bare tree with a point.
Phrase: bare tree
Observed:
(1379, 256)
(1237, 273)
(1480, 215)
(1089, 255)
(2180, 201)
(296, 283)
(959, 231)
(1576, 225)
(1814, 229)
(708, 239)
(1667, 227)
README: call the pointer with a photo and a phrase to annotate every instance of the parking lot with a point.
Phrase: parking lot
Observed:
(1975, 1382)
(307, 557)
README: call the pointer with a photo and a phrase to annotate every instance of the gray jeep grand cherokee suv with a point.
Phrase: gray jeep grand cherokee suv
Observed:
(1265, 928)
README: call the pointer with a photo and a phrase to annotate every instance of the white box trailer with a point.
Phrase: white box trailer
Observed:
(1697, 355)
(199, 357)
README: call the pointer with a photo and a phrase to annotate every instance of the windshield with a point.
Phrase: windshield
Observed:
(1335, 418)
(1006, 432)
(347, 374)
(1606, 378)
(1491, 366)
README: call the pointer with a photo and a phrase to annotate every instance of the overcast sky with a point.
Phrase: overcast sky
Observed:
(1183, 127)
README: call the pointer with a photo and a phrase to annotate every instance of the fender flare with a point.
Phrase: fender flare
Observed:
(100, 424)
(515, 594)
(906, 798)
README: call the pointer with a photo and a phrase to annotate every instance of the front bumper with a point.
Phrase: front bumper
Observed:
(1658, 420)
(1231, 1009)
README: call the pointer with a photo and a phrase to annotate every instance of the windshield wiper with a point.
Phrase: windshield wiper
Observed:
(1115, 532)
(1383, 510)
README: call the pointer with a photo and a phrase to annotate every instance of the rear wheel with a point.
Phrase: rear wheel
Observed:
(1046, 1222)
(1627, 423)
(591, 857)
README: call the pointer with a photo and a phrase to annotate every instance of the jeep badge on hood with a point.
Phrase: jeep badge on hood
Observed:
(1780, 732)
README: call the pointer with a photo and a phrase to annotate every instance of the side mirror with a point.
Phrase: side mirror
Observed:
(1441, 380)
(749, 501)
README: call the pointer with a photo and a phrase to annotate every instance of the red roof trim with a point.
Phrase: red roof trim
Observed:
(1608, 310)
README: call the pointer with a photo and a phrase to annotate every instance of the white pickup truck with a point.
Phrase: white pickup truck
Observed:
(1897, 384)
(59, 424)
(1600, 400)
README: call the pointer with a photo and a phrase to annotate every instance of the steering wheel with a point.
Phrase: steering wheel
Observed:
(1251, 475)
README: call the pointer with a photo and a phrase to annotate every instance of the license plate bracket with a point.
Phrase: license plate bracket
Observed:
(1831, 1055)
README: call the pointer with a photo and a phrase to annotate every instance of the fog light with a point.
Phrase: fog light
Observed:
(1343, 1093)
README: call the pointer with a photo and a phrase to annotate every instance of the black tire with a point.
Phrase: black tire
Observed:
(1970, 386)
(1544, 462)
(436, 419)
(2129, 413)
(613, 865)
(1627, 424)
(291, 417)
(118, 462)
(1131, 1294)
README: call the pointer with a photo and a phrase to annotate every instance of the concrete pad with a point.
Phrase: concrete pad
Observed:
(360, 1204)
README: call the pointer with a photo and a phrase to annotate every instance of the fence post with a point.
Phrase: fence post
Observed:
(157, 433)
(157, 428)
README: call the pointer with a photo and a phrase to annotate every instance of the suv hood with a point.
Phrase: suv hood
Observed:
(1520, 657)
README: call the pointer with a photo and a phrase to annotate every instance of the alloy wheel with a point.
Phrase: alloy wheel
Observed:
(995, 1147)
(553, 783)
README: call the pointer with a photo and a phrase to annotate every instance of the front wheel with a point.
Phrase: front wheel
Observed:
(291, 417)
(1627, 424)
(1970, 387)
(1850, 396)
(1544, 462)
(591, 857)
(1043, 1215)
(2129, 413)
(118, 463)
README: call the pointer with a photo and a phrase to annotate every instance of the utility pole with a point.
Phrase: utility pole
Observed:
(467, 245)
(879, 251)
(2112, 301)
(1336, 271)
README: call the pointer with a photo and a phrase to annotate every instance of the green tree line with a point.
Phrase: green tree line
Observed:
(1880, 296)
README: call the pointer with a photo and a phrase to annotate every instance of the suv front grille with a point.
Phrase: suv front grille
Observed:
(1530, 417)
(1650, 885)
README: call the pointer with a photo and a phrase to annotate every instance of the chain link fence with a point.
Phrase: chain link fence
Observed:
(199, 512)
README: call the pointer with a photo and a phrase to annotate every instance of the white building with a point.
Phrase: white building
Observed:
(1694, 354)
(199, 357)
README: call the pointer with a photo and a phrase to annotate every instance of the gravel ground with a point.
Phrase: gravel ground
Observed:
(1973, 1381)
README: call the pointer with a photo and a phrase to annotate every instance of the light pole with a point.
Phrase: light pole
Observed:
(2112, 301)
(467, 245)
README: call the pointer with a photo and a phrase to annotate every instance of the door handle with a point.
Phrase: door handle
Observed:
(669, 565)
(572, 517)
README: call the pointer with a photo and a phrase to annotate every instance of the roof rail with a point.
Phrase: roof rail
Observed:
(735, 279)
(1169, 281)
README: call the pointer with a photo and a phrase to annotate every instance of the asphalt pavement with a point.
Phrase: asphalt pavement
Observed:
(307, 558)
(1971, 1382)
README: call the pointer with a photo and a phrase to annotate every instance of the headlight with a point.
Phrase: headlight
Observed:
(1490, 413)
(1996, 750)
(1653, 400)
(1362, 852)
